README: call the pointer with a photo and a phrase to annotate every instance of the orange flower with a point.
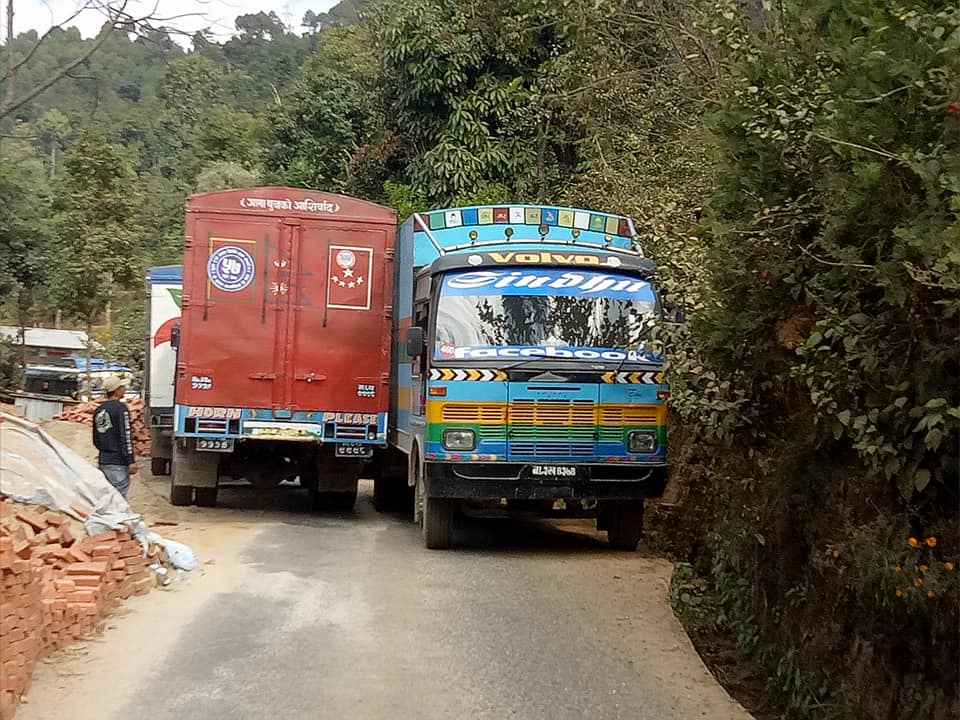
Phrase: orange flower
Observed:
(923, 568)
(949, 566)
(931, 541)
(913, 542)
(918, 582)
(836, 553)
(930, 593)
(898, 569)
(899, 592)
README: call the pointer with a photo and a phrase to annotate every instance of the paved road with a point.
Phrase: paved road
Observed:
(349, 617)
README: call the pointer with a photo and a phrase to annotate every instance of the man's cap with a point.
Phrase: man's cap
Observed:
(112, 382)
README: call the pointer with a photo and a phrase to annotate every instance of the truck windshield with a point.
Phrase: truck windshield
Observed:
(546, 312)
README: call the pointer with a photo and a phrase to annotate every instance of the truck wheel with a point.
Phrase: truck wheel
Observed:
(206, 496)
(626, 525)
(181, 494)
(160, 466)
(437, 523)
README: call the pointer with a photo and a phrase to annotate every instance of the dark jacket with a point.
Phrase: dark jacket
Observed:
(111, 433)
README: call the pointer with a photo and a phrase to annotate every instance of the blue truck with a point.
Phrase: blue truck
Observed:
(527, 372)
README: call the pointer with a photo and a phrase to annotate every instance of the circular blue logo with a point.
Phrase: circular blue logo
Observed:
(230, 268)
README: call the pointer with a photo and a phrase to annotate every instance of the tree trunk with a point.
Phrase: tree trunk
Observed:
(11, 74)
(89, 358)
(22, 320)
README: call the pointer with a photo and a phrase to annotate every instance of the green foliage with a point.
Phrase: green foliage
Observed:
(11, 373)
(328, 114)
(906, 573)
(94, 226)
(792, 168)
(837, 198)
(224, 176)
(404, 199)
(126, 343)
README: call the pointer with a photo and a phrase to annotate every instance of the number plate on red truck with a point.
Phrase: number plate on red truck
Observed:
(354, 450)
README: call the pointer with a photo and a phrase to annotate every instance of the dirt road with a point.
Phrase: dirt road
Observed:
(304, 616)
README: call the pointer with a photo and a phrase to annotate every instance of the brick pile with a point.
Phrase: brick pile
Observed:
(56, 588)
(83, 413)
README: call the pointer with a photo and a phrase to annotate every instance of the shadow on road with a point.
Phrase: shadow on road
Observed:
(290, 504)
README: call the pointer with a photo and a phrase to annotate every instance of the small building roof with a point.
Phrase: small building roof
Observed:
(47, 337)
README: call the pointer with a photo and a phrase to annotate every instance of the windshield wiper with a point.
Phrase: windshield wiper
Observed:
(528, 360)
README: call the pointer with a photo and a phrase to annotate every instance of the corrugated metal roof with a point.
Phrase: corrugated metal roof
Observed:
(168, 274)
(48, 337)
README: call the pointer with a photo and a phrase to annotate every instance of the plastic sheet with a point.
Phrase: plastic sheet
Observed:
(38, 470)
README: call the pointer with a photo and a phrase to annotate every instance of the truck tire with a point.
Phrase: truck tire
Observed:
(206, 496)
(338, 485)
(626, 525)
(160, 466)
(437, 523)
(197, 472)
(181, 494)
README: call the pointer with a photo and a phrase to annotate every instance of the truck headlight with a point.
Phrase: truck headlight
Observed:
(641, 441)
(459, 439)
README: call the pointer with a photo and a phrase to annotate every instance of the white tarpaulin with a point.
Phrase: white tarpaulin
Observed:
(38, 470)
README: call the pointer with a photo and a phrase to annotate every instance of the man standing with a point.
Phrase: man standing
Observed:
(112, 437)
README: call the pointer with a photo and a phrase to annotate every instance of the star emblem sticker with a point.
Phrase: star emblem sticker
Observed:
(348, 272)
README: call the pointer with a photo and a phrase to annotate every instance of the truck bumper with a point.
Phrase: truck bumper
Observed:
(469, 481)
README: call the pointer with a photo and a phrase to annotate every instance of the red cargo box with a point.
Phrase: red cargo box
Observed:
(286, 298)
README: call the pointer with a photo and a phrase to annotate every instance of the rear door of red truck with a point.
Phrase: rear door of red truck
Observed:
(286, 313)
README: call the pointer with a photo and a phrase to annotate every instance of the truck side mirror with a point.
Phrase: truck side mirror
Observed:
(670, 310)
(175, 336)
(414, 342)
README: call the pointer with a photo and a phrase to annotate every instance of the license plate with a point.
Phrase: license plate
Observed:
(354, 450)
(215, 445)
(554, 472)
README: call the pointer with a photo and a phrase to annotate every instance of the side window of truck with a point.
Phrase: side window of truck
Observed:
(420, 319)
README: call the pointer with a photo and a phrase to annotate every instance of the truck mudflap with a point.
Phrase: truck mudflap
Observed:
(474, 481)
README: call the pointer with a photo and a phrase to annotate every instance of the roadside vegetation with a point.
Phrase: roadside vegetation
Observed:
(793, 167)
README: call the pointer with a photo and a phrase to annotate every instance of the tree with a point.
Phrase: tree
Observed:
(225, 176)
(119, 15)
(53, 128)
(24, 233)
(264, 50)
(330, 112)
(95, 229)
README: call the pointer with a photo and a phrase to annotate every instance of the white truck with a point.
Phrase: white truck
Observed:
(164, 299)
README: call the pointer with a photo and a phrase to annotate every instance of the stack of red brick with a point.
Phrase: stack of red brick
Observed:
(56, 588)
(83, 413)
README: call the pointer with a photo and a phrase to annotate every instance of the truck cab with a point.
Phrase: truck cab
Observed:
(528, 369)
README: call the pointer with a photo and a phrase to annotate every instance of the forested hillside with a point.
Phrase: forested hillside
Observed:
(794, 168)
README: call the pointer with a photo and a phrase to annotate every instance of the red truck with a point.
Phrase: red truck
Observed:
(283, 347)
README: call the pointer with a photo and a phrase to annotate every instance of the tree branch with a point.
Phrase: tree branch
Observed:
(59, 26)
(118, 18)
(834, 263)
(881, 153)
(8, 108)
(878, 98)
